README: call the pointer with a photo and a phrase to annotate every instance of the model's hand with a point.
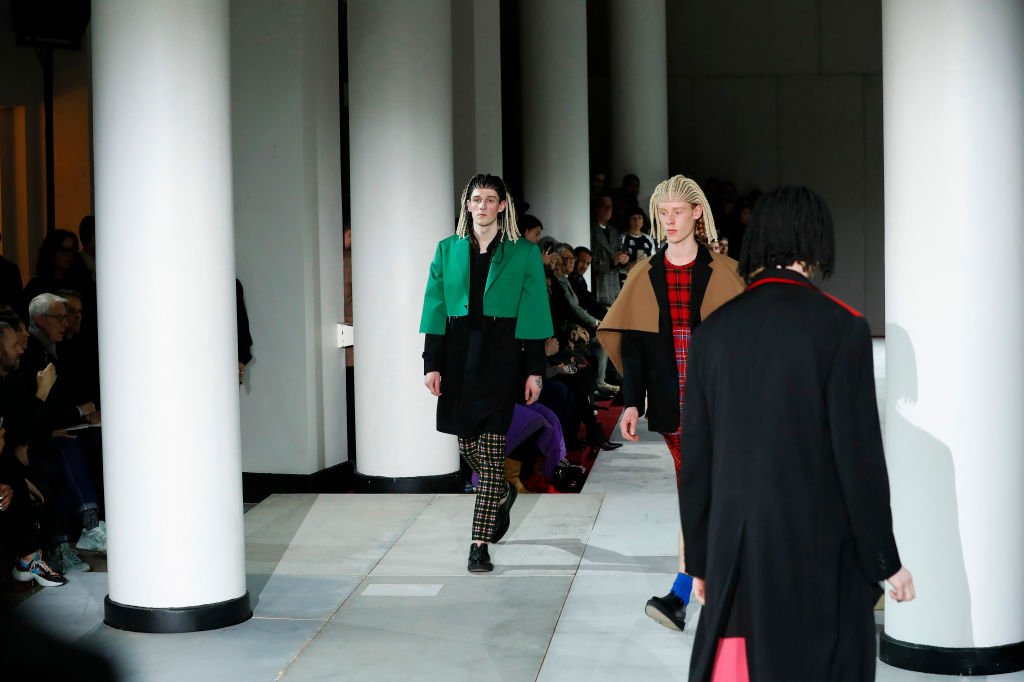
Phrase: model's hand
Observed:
(698, 590)
(432, 380)
(902, 584)
(630, 418)
(534, 383)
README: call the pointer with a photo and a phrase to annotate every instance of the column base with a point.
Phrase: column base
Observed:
(946, 661)
(183, 619)
(444, 483)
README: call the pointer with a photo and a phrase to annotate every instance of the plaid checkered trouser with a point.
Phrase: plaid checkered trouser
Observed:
(681, 339)
(486, 455)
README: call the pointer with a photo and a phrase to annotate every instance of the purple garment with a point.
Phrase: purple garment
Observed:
(535, 421)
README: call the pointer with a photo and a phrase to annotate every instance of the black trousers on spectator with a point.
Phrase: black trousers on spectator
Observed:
(19, 532)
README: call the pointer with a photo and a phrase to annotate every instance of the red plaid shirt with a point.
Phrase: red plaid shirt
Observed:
(678, 279)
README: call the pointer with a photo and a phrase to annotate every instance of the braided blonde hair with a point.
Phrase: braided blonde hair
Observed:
(681, 188)
(506, 219)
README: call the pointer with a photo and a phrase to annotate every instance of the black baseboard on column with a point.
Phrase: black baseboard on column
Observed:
(946, 661)
(170, 620)
(443, 483)
(335, 479)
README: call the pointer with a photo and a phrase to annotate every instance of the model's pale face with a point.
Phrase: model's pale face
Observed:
(678, 218)
(485, 205)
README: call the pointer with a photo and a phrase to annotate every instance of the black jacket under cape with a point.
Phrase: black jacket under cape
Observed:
(784, 494)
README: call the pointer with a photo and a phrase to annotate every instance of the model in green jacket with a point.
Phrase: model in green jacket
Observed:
(485, 316)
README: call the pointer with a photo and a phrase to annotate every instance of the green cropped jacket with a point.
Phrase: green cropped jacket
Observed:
(515, 287)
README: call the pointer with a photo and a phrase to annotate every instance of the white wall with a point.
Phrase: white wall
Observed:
(764, 94)
(287, 187)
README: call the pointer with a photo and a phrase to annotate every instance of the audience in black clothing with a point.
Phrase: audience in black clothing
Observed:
(20, 536)
(53, 452)
(55, 268)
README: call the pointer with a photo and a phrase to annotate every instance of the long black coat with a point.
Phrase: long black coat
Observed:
(784, 495)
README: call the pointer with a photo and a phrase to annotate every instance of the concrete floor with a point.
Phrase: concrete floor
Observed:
(350, 587)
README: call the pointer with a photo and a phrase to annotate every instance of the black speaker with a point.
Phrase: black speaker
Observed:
(50, 23)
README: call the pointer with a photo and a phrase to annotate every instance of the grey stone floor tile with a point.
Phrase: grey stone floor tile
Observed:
(69, 612)
(301, 597)
(635, 533)
(254, 651)
(548, 536)
(475, 628)
(603, 633)
(326, 534)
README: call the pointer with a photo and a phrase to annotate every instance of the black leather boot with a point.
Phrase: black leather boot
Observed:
(479, 559)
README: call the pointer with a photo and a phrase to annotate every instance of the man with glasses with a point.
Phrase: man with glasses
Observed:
(51, 448)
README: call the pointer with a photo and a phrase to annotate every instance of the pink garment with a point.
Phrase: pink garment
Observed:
(731, 661)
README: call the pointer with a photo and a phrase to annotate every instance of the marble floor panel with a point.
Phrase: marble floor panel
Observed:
(548, 536)
(326, 534)
(473, 628)
(635, 533)
(603, 633)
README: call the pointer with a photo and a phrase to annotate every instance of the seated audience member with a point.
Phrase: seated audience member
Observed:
(579, 283)
(573, 364)
(19, 527)
(52, 445)
(79, 357)
(531, 228)
(577, 314)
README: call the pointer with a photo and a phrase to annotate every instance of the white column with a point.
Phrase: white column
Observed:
(400, 126)
(167, 331)
(954, 168)
(639, 92)
(476, 45)
(556, 152)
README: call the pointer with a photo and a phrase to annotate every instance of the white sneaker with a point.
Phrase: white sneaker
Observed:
(92, 540)
(70, 561)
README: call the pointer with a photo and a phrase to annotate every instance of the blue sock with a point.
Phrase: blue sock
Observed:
(682, 587)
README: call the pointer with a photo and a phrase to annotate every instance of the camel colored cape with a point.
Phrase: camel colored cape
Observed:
(636, 308)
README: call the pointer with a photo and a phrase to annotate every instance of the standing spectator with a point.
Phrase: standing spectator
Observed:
(608, 260)
(244, 335)
(634, 243)
(578, 280)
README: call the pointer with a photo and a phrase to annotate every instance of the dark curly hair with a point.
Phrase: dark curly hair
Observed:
(789, 225)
